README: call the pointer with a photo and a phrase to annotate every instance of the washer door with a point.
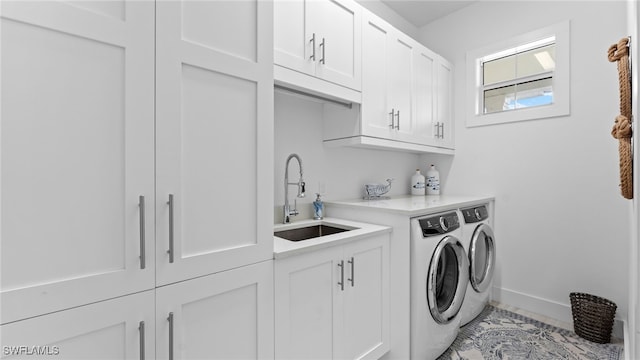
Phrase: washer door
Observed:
(447, 279)
(482, 257)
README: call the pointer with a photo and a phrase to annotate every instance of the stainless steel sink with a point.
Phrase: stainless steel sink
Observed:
(309, 232)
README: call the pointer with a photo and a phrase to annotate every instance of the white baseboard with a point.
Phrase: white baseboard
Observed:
(545, 307)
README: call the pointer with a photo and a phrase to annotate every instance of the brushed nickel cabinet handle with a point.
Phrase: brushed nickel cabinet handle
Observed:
(313, 47)
(341, 282)
(323, 47)
(170, 251)
(353, 277)
(143, 256)
(398, 122)
(392, 126)
(170, 319)
(141, 330)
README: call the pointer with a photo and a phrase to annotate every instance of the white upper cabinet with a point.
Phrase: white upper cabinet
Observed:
(406, 96)
(425, 87)
(214, 121)
(444, 92)
(319, 38)
(387, 93)
(400, 95)
(375, 108)
(77, 154)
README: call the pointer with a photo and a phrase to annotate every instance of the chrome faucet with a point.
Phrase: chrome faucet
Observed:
(288, 212)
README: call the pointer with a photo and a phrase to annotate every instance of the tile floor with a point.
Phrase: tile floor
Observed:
(544, 319)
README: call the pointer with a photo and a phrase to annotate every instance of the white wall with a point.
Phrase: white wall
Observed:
(343, 171)
(560, 223)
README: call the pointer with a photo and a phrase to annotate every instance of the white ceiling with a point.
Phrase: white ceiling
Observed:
(422, 12)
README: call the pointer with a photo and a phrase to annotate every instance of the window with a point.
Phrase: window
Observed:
(523, 78)
(519, 77)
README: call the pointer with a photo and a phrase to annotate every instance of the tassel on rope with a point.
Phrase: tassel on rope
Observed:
(621, 128)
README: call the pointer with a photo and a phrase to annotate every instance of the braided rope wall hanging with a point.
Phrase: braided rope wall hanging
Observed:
(622, 128)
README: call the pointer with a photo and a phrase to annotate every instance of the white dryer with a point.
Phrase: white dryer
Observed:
(439, 278)
(479, 243)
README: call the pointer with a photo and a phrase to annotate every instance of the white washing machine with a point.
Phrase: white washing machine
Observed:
(439, 277)
(479, 244)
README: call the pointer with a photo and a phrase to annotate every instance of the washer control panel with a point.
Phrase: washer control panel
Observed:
(439, 224)
(475, 214)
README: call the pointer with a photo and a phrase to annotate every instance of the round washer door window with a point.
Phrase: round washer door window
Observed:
(447, 279)
(481, 258)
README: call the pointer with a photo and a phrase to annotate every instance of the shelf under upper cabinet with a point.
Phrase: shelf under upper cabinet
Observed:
(386, 144)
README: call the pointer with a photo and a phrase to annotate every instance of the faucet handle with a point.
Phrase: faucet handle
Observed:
(301, 190)
(295, 211)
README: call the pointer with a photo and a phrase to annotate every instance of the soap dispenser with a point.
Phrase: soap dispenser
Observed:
(318, 208)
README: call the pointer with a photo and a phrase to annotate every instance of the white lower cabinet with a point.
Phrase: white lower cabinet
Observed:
(333, 303)
(120, 328)
(227, 315)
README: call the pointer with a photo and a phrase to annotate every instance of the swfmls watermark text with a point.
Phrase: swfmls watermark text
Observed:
(23, 350)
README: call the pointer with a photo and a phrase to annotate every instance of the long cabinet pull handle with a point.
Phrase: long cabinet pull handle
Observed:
(437, 125)
(170, 251)
(141, 330)
(143, 255)
(323, 47)
(442, 132)
(353, 277)
(170, 319)
(313, 47)
(392, 119)
(398, 122)
(341, 282)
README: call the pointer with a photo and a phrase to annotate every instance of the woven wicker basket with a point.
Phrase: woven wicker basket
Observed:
(592, 317)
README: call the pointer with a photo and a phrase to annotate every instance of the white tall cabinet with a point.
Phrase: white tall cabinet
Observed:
(136, 164)
(214, 128)
(77, 154)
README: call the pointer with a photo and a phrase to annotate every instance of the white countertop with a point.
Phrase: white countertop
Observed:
(411, 205)
(284, 248)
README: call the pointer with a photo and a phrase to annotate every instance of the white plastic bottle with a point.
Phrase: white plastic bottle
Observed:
(417, 183)
(433, 181)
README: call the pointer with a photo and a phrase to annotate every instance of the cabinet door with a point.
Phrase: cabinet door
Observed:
(214, 122)
(228, 315)
(122, 328)
(307, 307)
(338, 30)
(77, 153)
(444, 105)
(401, 85)
(426, 128)
(376, 109)
(366, 309)
(292, 47)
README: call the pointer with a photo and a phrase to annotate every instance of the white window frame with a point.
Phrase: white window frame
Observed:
(561, 79)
